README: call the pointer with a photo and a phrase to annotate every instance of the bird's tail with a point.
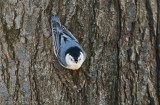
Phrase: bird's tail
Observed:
(55, 22)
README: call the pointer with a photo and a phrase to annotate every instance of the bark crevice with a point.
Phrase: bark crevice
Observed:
(118, 93)
(157, 50)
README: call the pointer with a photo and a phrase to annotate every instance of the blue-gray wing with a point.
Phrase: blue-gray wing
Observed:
(60, 35)
(56, 31)
(68, 34)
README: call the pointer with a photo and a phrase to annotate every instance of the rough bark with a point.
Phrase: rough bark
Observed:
(138, 73)
(120, 37)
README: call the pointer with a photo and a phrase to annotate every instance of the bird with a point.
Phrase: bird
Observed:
(67, 49)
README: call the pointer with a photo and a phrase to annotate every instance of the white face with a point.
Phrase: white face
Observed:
(71, 62)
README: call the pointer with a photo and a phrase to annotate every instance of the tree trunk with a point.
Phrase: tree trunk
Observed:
(120, 37)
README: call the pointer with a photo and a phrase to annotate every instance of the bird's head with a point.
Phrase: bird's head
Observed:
(74, 58)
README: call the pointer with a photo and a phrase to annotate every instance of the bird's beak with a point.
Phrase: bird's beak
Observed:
(76, 61)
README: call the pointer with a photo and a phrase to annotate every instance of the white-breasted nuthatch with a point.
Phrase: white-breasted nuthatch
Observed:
(66, 47)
